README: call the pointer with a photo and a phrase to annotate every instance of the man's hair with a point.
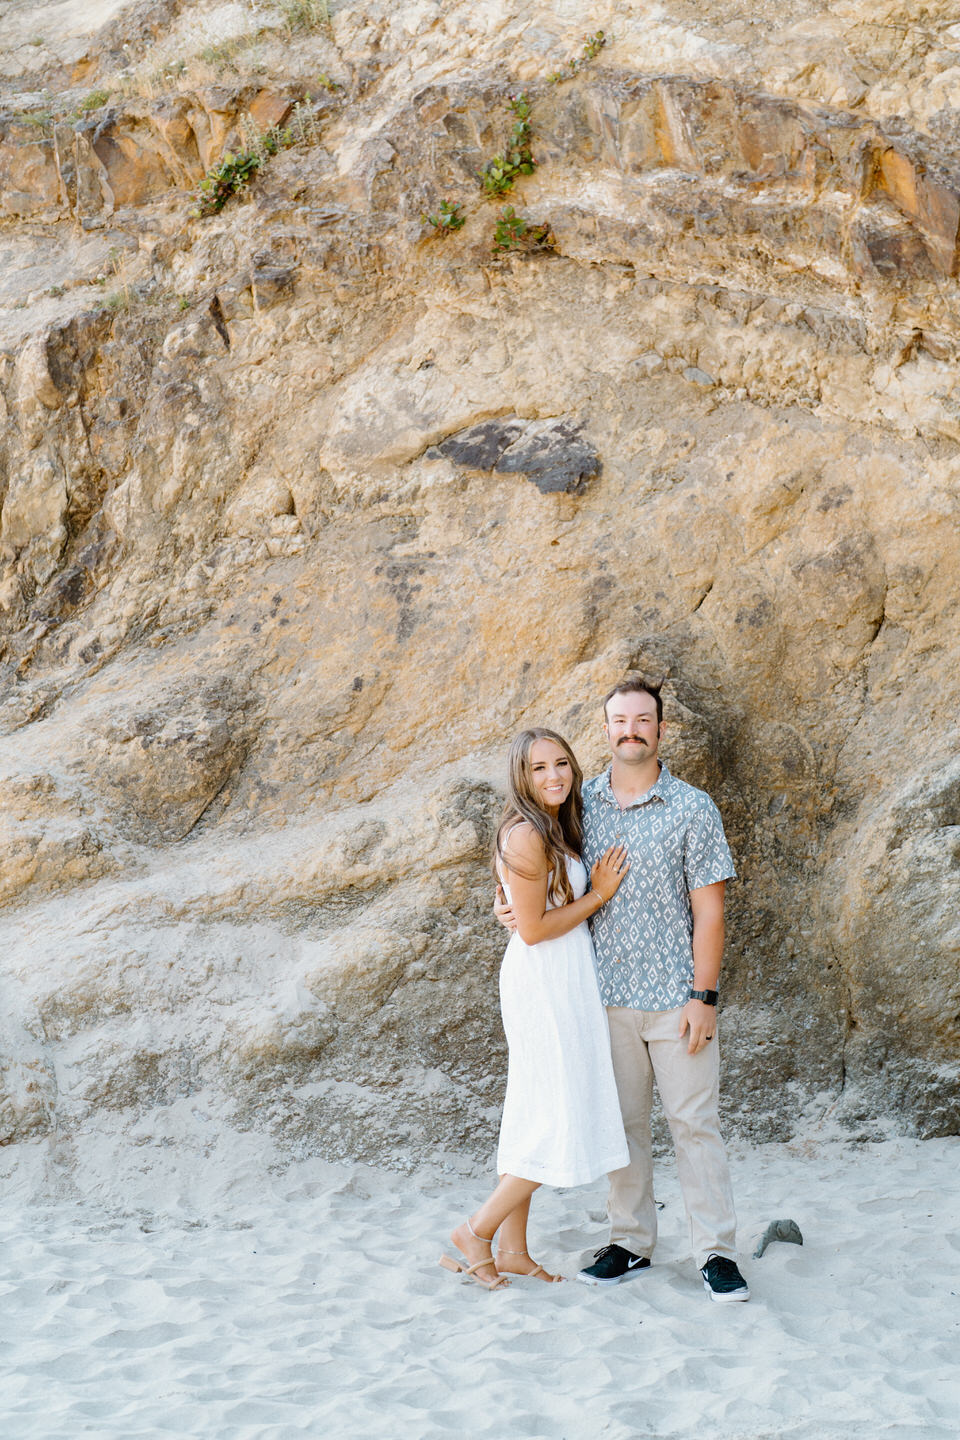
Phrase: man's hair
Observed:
(636, 685)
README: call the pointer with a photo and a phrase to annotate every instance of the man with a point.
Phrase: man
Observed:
(659, 945)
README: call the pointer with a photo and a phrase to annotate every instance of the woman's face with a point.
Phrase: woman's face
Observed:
(552, 774)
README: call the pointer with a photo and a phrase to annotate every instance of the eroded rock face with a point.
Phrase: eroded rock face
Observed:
(160, 766)
(321, 509)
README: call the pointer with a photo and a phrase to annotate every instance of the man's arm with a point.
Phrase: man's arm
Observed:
(504, 911)
(706, 904)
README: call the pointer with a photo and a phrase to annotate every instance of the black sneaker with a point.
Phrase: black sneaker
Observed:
(613, 1265)
(723, 1281)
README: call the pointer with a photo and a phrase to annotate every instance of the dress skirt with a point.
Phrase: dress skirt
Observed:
(561, 1120)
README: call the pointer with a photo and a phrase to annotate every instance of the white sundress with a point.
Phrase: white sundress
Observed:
(561, 1120)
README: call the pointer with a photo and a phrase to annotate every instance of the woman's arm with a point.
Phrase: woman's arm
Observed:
(528, 887)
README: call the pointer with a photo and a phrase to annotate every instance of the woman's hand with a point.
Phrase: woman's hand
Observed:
(608, 872)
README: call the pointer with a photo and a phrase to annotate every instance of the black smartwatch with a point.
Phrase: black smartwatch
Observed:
(709, 997)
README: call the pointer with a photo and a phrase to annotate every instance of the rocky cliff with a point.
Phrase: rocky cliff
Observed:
(310, 500)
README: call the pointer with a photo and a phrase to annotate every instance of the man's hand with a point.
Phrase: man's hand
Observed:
(701, 1021)
(501, 908)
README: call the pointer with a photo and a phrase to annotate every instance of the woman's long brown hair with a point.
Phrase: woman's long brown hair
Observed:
(561, 835)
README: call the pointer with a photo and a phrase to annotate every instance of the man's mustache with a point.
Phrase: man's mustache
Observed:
(632, 740)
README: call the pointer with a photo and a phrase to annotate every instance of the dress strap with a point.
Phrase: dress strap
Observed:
(502, 843)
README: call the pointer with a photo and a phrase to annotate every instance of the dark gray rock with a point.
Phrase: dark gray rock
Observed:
(552, 454)
(787, 1230)
(696, 376)
(480, 447)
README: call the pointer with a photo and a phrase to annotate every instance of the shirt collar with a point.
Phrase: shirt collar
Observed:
(658, 791)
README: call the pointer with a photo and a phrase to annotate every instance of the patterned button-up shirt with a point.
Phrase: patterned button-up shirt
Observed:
(675, 843)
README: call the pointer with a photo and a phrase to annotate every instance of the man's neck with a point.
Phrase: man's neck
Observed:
(629, 782)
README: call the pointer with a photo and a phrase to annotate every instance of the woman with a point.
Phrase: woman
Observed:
(561, 1121)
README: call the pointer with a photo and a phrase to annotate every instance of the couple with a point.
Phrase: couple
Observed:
(580, 1081)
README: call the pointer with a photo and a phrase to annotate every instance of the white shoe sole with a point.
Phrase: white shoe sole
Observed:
(728, 1297)
(586, 1279)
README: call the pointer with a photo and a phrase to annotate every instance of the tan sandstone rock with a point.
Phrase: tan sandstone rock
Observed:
(317, 508)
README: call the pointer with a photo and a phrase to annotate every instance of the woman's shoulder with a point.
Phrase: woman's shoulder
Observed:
(522, 841)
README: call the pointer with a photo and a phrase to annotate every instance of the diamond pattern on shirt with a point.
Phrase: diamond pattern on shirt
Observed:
(675, 844)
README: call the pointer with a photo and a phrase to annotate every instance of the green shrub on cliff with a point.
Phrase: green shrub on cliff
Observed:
(498, 174)
(234, 172)
(513, 232)
(94, 101)
(446, 220)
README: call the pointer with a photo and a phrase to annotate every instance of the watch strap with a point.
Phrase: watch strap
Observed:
(709, 997)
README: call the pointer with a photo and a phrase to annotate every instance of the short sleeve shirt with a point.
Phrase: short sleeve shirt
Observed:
(675, 843)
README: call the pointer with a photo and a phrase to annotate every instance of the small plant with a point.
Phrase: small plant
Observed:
(38, 119)
(154, 82)
(305, 14)
(36, 40)
(263, 143)
(234, 172)
(116, 301)
(217, 55)
(593, 46)
(56, 290)
(272, 141)
(446, 220)
(512, 232)
(591, 49)
(325, 83)
(304, 127)
(498, 174)
(221, 181)
(183, 303)
(225, 52)
(93, 101)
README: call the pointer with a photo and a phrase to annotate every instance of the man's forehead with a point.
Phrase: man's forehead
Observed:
(633, 703)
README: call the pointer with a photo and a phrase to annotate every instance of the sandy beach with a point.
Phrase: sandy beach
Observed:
(262, 1301)
(379, 379)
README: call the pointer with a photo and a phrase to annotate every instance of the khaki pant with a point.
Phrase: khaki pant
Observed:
(645, 1044)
